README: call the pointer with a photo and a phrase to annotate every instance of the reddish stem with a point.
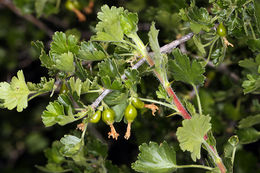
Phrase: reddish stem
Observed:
(177, 103)
(181, 108)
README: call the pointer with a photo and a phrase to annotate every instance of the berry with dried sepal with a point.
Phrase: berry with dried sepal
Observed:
(130, 115)
(108, 116)
(95, 117)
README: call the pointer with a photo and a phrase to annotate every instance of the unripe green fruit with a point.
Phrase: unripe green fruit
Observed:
(137, 103)
(130, 113)
(63, 89)
(221, 30)
(95, 117)
(108, 116)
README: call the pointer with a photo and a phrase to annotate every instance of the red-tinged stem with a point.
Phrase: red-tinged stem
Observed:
(177, 103)
(221, 167)
(183, 111)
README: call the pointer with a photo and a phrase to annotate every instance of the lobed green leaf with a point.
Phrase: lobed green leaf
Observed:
(71, 145)
(186, 71)
(55, 113)
(191, 134)
(155, 159)
(63, 44)
(15, 93)
(91, 51)
(114, 23)
(43, 86)
(65, 62)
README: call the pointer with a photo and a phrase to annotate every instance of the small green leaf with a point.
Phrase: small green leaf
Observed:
(199, 45)
(186, 71)
(218, 54)
(71, 145)
(153, 39)
(75, 85)
(55, 113)
(191, 134)
(43, 86)
(195, 27)
(132, 77)
(65, 62)
(252, 84)
(37, 45)
(115, 97)
(155, 159)
(248, 135)
(249, 121)
(63, 44)
(109, 28)
(191, 108)
(114, 85)
(128, 22)
(16, 93)
(114, 23)
(160, 60)
(162, 94)
(199, 15)
(91, 51)
(108, 67)
(46, 60)
(199, 19)
(54, 109)
(86, 85)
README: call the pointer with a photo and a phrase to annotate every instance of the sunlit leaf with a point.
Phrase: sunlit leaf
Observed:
(91, 51)
(154, 158)
(71, 145)
(15, 93)
(191, 134)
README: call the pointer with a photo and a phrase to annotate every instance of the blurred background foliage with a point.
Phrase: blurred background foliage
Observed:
(23, 135)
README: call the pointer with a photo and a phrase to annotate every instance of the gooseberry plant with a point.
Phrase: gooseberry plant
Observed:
(115, 54)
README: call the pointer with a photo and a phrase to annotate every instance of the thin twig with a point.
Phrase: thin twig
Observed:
(28, 17)
(168, 47)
